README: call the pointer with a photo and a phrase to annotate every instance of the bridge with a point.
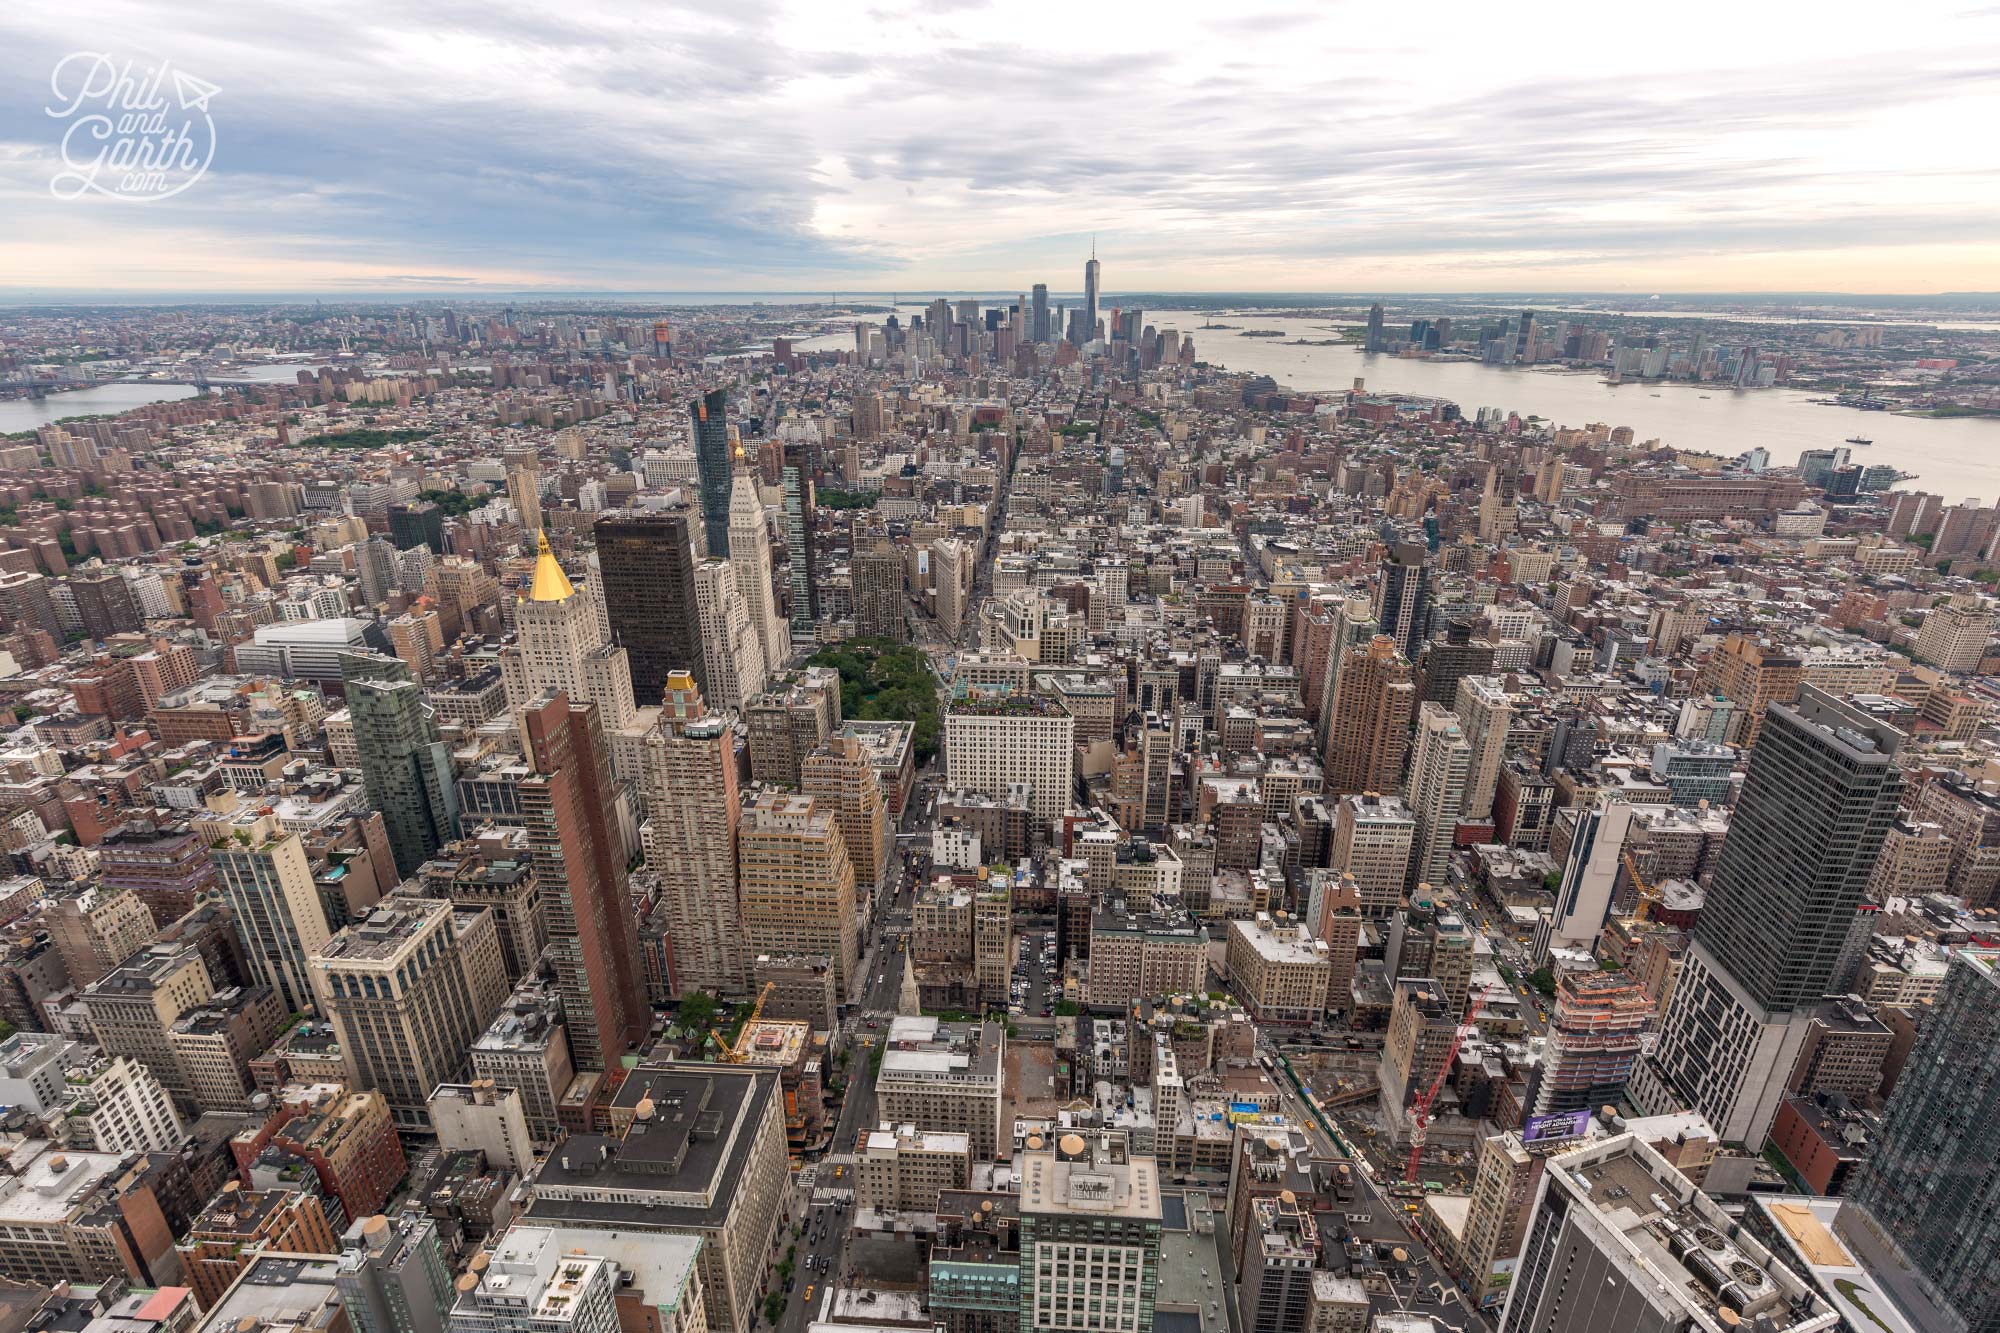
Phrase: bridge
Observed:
(39, 386)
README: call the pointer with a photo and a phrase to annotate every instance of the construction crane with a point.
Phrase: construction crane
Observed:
(1420, 1109)
(1648, 894)
(729, 1054)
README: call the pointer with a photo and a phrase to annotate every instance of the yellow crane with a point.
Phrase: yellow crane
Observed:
(757, 1010)
(1648, 895)
(728, 1054)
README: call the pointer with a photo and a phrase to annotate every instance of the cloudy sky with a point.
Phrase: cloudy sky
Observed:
(1268, 145)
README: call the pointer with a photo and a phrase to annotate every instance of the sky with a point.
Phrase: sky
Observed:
(813, 145)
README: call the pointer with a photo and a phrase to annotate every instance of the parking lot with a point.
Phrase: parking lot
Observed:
(1034, 987)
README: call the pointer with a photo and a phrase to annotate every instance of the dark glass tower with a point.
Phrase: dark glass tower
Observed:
(404, 761)
(1403, 597)
(1819, 798)
(1803, 840)
(1934, 1184)
(646, 561)
(711, 454)
(1038, 328)
(801, 571)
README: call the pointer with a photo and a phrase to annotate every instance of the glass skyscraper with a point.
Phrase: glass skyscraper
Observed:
(710, 413)
(1934, 1183)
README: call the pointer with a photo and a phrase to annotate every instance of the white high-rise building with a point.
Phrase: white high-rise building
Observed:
(531, 1285)
(991, 743)
(732, 652)
(750, 554)
(1438, 766)
(1088, 1202)
(114, 1104)
(1583, 902)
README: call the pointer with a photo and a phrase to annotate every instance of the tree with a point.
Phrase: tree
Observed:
(1543, 980)
(697, 1011)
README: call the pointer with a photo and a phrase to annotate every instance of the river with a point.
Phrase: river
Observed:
(21, 414)
(1958, 457)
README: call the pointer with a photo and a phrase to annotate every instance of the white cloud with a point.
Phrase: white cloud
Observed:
(788, 145)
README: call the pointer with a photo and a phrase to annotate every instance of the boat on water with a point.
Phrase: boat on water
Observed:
(1859, 439)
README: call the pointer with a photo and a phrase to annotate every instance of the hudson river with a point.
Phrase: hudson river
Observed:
(1957, 457)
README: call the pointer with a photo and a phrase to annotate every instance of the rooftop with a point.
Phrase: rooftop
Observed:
(278, 1291)
(1090, 1173)
(690, 1135)
(1703, 1262)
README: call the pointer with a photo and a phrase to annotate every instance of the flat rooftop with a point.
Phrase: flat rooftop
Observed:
(687, 1146)
(1675, 1234)
(1827, 1240)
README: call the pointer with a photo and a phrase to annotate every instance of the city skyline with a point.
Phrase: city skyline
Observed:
(784, 148)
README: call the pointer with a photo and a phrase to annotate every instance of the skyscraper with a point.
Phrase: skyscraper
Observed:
(560, 645)
(1350, 623)
(1934, 1184)
(268, 883)
(1089, 1202)
(1375, 341)
(710, 414)
(647, 561)
(1090, 279)
(842, 774)
(1039, 328)
(404, 760)
(801, 571)
(1372, 837)
(1437, 792)
(731, 650)
(1486, 712)
(1619, 1239)
(750, 555)
(524, 492)
(1402, 596)
(1593, 1042)
(692, 811)
(577, 857)
(797, 883)
(1369, 736)
(1281, 1253)
(877, 570)
(409, 988)
(393, 1275)
(1819, 798)
(1596, 853)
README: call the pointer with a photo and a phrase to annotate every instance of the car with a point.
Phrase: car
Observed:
(809, 1291)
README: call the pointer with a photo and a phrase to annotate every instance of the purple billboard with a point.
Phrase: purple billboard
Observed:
(1560, 1125)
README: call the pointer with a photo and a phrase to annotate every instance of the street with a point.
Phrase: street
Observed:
(1376, 1226)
